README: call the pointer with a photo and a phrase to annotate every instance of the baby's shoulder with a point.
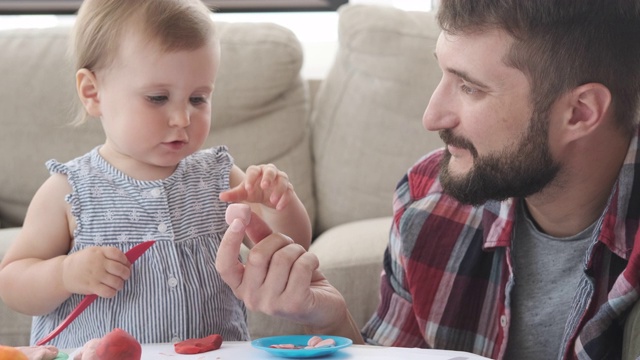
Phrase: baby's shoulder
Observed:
(80, 162)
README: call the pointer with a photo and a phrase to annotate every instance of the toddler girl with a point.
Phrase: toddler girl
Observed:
(146, 69)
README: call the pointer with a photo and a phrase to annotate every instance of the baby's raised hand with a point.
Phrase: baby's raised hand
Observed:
(100, 270)
(263, 184)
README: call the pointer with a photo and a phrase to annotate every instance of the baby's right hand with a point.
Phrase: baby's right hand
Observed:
(100, 270)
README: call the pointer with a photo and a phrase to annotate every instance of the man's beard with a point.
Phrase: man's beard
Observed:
(519, 170)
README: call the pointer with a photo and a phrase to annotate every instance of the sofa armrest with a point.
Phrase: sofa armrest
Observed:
(631, 337)
(15, 328)
(351, 258)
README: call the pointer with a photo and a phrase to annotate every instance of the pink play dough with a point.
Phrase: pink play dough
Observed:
(241, 212)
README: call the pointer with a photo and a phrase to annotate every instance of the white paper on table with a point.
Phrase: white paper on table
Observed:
(411, 353)
(238, 350)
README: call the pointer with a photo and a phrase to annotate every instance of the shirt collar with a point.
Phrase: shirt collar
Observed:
(620, 218)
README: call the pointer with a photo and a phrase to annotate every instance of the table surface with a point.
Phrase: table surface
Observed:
(242, 350)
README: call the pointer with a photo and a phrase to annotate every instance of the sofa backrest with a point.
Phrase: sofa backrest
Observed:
(260, 108)
(367, 117)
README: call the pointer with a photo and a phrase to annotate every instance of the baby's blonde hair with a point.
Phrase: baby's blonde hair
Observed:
(173, 24)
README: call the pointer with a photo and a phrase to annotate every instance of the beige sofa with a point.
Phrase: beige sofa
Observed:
(345, 141)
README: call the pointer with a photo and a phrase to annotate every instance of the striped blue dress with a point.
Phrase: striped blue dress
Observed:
(174, 292)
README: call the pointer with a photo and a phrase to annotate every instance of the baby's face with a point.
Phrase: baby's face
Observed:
(155, 106)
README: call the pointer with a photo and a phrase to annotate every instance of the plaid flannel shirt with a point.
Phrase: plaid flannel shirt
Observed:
(448, 271)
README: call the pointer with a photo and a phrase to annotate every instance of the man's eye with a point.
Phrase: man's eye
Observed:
(160, 99)
(468, 90)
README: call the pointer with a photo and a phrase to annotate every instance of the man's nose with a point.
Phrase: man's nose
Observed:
(441, 111)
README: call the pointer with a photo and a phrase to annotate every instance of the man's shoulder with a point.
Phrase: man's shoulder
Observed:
(429, 164)
(422, 177)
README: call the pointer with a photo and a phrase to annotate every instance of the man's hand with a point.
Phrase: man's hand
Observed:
(280, 277)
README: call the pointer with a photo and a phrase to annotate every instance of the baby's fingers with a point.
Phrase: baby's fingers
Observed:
(270, 176)
(286, 197)
(113, 281)
(281, 193)
(253, 178)
(118, 270)
(236, 194)
(116, 255)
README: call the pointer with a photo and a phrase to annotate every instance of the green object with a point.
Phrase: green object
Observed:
(61, 356)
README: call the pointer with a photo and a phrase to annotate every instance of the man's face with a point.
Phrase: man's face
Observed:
(518, 170)
(496, 144)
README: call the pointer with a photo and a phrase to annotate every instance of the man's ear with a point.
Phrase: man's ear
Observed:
(87, 88)
(590, 106)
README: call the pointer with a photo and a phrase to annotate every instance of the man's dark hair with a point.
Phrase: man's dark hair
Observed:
(562, 44)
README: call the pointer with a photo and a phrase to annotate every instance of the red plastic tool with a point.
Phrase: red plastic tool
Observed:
(132, 255)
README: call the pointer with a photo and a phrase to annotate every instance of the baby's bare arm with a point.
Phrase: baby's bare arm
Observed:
(31, 271)
(37, 275)
(273, 198)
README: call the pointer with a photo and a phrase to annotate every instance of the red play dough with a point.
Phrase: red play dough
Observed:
(118, 344)
(196, 346)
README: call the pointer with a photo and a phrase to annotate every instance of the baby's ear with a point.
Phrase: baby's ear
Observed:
(87, 88)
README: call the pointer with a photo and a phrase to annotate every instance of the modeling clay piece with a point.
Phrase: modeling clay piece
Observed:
(196, 346)
(325, 343)
(118, 344)
(238, 211)
(11, 353)
(314, 342)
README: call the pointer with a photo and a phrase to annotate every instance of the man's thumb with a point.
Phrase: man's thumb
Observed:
(255, 228)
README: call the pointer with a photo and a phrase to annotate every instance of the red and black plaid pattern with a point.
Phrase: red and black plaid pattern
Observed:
(447, 271)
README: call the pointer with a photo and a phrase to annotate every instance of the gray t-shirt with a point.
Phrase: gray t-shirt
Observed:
(546, 270)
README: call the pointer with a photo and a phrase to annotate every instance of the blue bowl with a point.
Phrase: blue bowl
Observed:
(299, 340)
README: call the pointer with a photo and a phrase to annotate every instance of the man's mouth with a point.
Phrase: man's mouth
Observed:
(456, 144)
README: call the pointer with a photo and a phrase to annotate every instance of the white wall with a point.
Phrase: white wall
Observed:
(317, 31)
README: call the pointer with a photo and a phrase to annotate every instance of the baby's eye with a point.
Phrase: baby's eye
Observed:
(197, 100)
(157, 99)
(468, 90)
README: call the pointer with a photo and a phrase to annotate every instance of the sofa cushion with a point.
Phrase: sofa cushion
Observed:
(15, 327)
(261, 103)
(260, 108)
(367, 116)
(38, 95)
(361, 287)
